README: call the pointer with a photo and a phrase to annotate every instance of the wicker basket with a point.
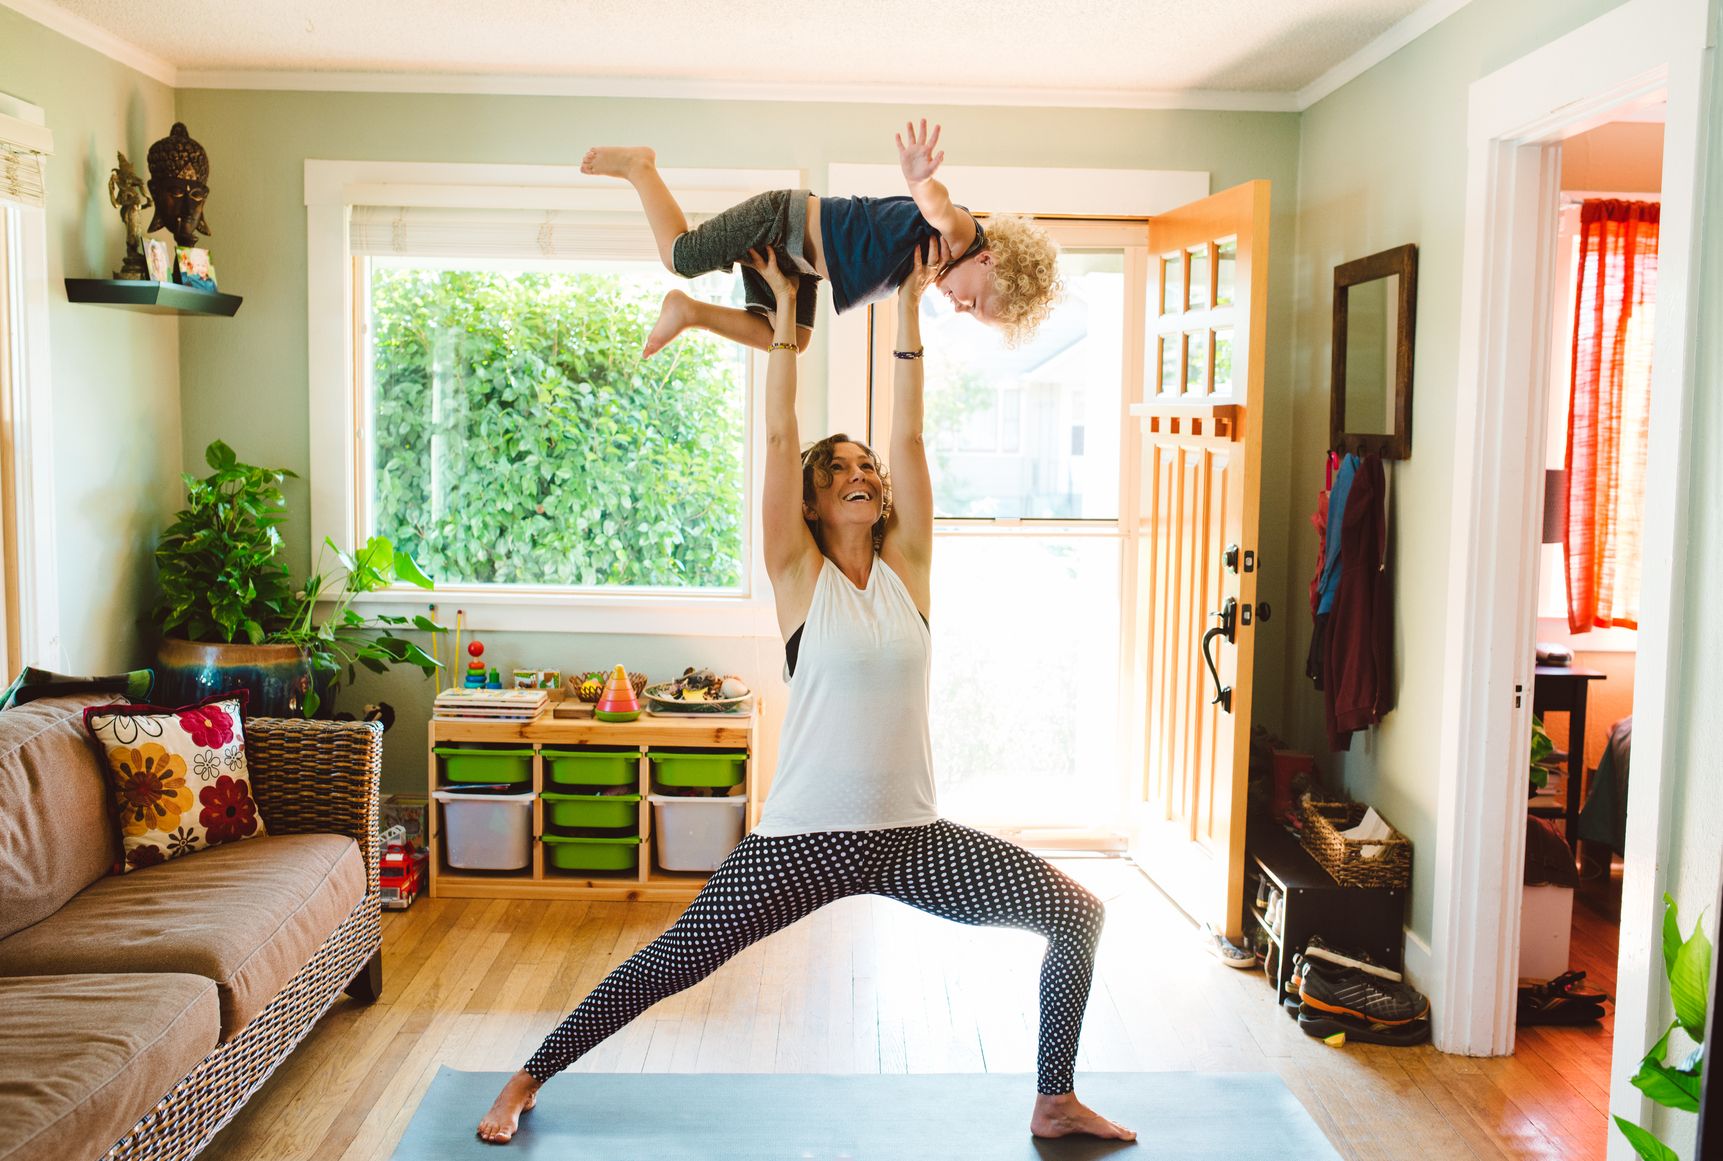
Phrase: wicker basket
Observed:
(1343, 858)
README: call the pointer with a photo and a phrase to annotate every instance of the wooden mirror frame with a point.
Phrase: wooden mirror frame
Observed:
(1402, 260)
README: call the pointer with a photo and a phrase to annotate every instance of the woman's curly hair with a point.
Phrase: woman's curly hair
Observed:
(1025, 275)
(817, 474)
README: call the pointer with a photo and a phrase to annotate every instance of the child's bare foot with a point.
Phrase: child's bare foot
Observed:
(617, 160)
(518, 1095)
(1066, 1116)
(674, 316)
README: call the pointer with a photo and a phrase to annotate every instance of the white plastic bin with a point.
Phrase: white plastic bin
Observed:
(1546, 921)
(487, 832)
(694, 834)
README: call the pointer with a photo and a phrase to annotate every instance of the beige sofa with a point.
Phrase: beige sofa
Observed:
(139, 1012)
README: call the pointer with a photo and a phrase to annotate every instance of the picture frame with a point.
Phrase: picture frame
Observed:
(159, 257)
(194, 269)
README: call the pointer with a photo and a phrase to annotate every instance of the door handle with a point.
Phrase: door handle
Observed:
(1227, 628)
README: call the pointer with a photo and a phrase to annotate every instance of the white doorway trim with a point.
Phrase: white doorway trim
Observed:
(1517, 119)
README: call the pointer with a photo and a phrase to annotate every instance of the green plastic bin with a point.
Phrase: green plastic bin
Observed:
(466, 764)
(698, 767)
(598, 766)
(571, 810)
(592, 854)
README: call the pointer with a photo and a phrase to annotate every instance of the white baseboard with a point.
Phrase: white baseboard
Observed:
(1419, 967)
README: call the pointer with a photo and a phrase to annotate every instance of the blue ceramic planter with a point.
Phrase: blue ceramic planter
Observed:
(278, 676)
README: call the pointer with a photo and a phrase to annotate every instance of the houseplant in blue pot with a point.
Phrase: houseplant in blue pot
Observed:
(231, 617)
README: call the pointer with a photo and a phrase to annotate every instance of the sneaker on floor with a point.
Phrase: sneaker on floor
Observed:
(1320, 949)
(1322, 1025)
(1228, 952)
(1360, 995)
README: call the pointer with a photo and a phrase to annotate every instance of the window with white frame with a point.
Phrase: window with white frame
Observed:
(29, 608)
(511, 436)
(1032, 513)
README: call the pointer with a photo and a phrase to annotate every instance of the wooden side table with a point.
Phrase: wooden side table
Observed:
(1562, 689)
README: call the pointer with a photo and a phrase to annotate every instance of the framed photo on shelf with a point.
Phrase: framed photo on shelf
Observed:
(194, 268)
(159, 257)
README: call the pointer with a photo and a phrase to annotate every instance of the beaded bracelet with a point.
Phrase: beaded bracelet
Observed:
(915, 354)
(781, 347)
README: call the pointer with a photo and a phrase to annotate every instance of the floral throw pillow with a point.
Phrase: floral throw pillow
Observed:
(178, 776)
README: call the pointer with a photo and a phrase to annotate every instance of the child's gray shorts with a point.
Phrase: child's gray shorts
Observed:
(777, 218)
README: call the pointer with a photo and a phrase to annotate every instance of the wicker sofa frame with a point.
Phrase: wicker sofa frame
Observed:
(309, 777)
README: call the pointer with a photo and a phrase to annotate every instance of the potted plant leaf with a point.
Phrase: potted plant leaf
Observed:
(231, 618)
(344, 640)
(1675, 1084)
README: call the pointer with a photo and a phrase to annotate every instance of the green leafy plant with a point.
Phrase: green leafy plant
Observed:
(1543, 749)
(521, 439)
(220, 577)
(344, 639)
(1687, 963)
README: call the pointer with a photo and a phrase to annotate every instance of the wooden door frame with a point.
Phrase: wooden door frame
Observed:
(1518, 117)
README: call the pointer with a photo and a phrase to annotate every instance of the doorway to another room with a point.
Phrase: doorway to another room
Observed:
(1603, 287)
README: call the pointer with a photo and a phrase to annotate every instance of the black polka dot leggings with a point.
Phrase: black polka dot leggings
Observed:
(767, 883)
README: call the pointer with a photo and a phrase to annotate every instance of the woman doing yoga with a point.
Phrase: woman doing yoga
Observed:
(851, 809)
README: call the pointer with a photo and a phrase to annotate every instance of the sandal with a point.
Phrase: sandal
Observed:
(1562, 1000)
(1228, 952)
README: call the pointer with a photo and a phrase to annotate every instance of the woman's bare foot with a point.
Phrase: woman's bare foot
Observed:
(674, 316)
(1066, 1116)
(518, 1095)
(617, 160)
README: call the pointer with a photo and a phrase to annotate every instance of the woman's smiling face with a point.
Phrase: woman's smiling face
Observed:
(855, 492)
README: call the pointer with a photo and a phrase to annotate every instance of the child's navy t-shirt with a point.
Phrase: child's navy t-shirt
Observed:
(870, 245)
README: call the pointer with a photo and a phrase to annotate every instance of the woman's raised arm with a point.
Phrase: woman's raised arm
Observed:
(789, 547)
(909, 534)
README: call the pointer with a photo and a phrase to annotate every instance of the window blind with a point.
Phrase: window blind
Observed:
(446, 232)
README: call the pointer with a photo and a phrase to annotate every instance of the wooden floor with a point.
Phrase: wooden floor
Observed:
(868, 985)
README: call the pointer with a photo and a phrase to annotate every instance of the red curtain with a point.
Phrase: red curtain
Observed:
(1609, 411)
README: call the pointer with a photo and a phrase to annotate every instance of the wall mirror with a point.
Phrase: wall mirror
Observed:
(1375, 301)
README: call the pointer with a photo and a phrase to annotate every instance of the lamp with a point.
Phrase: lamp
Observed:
(1555, 504)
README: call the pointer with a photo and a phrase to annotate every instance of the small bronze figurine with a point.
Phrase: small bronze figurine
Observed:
(126, 193)
(179, 179)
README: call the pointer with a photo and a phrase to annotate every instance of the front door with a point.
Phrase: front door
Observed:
(1198, 556)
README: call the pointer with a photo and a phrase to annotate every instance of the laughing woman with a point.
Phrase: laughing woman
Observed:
(851, 810)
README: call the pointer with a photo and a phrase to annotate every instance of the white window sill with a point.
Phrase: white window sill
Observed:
(635, 615)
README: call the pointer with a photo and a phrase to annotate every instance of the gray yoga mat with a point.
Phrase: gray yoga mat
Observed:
(951, 1117)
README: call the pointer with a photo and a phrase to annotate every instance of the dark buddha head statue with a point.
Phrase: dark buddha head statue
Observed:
(179, 182)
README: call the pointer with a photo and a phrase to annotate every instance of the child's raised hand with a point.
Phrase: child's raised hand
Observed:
(918, 159)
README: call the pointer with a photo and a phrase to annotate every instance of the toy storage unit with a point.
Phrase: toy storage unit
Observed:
(625, 810)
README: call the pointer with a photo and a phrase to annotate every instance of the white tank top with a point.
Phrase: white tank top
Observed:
(855, 752)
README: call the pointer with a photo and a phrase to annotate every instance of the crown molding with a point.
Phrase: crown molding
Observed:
(1421, 20)
(93, 36)
(76, 28)
(654, 88)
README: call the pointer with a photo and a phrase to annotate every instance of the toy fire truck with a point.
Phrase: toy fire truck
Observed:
(400, 873)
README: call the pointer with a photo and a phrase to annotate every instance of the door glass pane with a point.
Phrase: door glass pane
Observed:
(1172, 355)
(1024, 721)
(1223, 361)
(1199, 277)
(1172, 284)
(1226, 263)
(1196, 367)
(999, 421)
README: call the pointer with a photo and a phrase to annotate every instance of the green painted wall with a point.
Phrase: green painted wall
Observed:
(1382, 162)
(115, 372)
(245, 381)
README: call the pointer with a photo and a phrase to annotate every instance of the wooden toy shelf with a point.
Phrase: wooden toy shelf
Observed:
(647, 881)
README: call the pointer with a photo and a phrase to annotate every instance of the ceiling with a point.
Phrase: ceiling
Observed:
(1033, 51)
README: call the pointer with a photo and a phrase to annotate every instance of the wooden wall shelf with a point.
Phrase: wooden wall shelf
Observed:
(152, 297)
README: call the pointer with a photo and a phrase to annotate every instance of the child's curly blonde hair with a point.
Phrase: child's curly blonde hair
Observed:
(1025, 275)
